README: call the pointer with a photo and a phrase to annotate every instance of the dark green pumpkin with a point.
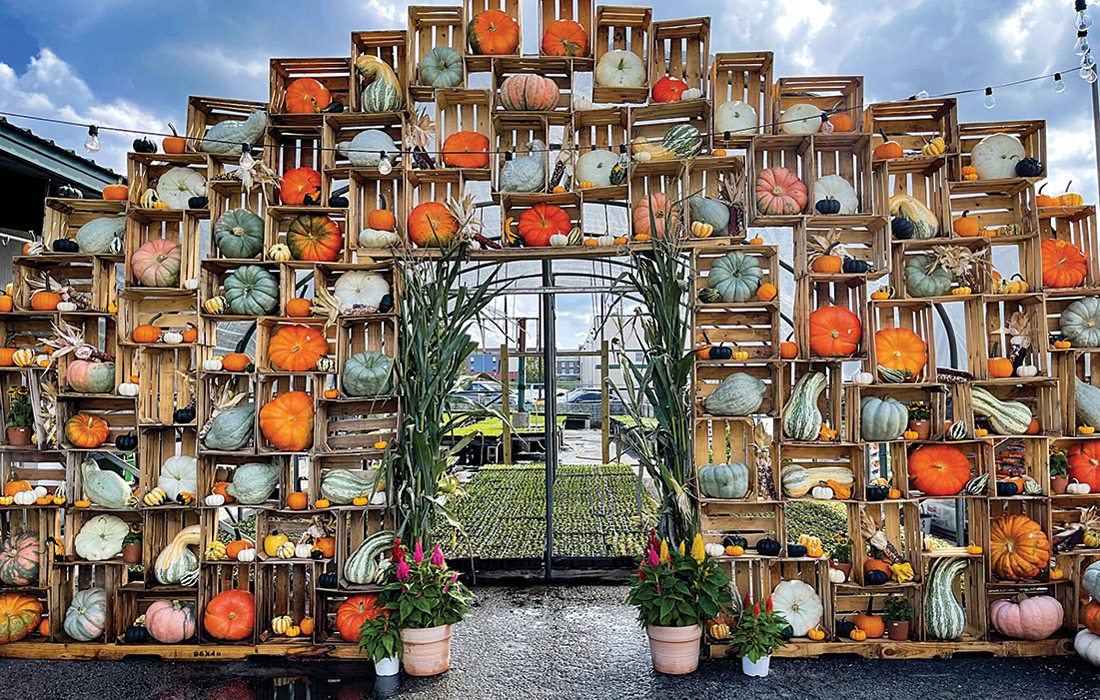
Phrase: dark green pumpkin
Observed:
(795, 549)
(844, 628)
(1006, 489)
(1029, 167)
(855, 266)
(768, 547)
(902, 228)
(828, 206)
(65, 245)
(328, 579)
(735, 541)
(877, 493)
(875, 577)
(127, 443)
(721, 352)
(136, 635)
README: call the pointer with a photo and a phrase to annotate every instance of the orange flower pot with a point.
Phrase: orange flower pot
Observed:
(427, 651)
(674, 650)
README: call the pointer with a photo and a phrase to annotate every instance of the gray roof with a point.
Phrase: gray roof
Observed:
(48, 160)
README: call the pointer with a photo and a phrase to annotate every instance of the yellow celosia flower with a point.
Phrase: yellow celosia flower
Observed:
(664, 551)
(698, 551)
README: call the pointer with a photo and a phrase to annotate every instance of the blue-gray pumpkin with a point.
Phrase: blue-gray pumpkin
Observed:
(739, 394)
(440, 68)
(724, 480)
(254, 482)
(882, 419)
(368, 373)
(239, 233)
(251, 291)
(100, 236)
(231, 429)
(710, 211)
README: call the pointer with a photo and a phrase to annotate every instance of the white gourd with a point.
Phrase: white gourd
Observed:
(101, 538)
(178, 474)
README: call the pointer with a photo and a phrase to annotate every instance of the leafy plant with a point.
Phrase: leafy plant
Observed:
(380, 638)
(1059, 464)
(758, 632)
(897, 609)
(133, 536)
(841, 550)
(678, 590)
(20, 414)
(918, 410)
(421, 593)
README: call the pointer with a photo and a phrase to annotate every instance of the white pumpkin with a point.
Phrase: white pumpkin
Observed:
(1087, 646)
(691, 94)
(863, 378)
(212, 365)
(247, 554)
(302, 550)
(366, 149)
(620, 68)
(178, 474)
(101, 538)
(738, 118)
(215, 500)
(837, 576)
(801, 119)
(361, 288)
(799, 604)
(377, 238)
(25, 498)
(996, 156)
(178, 185)
(838, 188)
(595, 167)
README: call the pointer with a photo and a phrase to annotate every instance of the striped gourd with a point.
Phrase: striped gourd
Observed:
(363, 566)
(977, 485)
(802, 418)
(797, 480)
(944, 617)
(1006, 417)
(341, 486)
(684, 140)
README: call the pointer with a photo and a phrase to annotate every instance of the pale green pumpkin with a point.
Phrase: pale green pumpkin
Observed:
(367, 374)
(239, 233)
(440, 68)
(251, 291)
(739, 394)
(1080, 322)
(923, 278)
(101, 236)
(86, 617)
(724, 480)
(882, 419)
(225, 138)
(254, 482)
(710, 211)
(231, 429)
(736, 277)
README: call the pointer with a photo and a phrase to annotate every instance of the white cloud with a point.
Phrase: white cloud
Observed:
(1021, 32)
(383, 10)
(802, 18)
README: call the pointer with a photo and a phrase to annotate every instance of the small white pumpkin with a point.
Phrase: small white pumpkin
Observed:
(1077, 488)
(801, 119)
(171, 337)
(822, 492)
(559, 240)
(191, 283)
(605, 240)
(40, 491)
(66, 306)
(302, 550)
(25, 498)
(214, 500)
(1027, 371)
(377, 238)
(212, 365)
(691, 94)
(378, 498)
(738, 118)
(128, 389)
(713, 550)
(247, 554)
(581, 104)
(863, 378)
(836, 575)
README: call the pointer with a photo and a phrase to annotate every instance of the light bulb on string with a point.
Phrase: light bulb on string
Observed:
(1088, 74)
(990, 100)
(1059, 84)
(624, 157)
(826, 125)
(92, 144)
(247, 161)
(385, 165)
(922, 95)
(1081, 46)
(1083, 20)
(1087, 61)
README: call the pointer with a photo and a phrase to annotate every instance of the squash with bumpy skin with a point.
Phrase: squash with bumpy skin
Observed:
(924, 278)
(802, 417)
(251, 291)
(254, 482)
(1080, 322)
(710, 211)
(729, 480)
(736, 277)
(101, 236)
(239, 233)
(177, 560)
(882, 419)
(944, 617)
(86, 617)
(367, 373)
(231, 429)
(225, 138)
(739, 394)
(924, 223)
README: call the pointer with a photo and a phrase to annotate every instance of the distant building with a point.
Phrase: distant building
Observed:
(621, 330)
(484, 362)
(569, 369)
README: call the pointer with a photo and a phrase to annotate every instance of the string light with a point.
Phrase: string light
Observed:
(826, 125)
(247, 161)
(92, 144)
(1083, 20)
(1081, 46)
(385, 166)
(990, 100)
(922, 95)
(1059, 84)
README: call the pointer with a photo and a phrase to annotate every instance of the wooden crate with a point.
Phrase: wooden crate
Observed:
(39, 467)
(849, 156)
(297, 525)
(726, 440)
(1000, 309)
(863, 238)
(622, 29)
(64, 217)
(516, 133)
(795, 153)
(131, 604)
(979, 276)
(820, 291)
(433, 186)
(829, 401)
(1076, 226)
(1032, 134)
(753, 521)
(211, 387)
(663, 177)
(654, 121)
(77, 518)
(1040, 395)
(215, 273)
(367, 194)
(166, 309)
(558, 69)
(159, 528)
(604, 128)
(157, 445)
(267, 328)
(216, 578)
(1067, 366)
(512, 8)
(812, 572)
(90, 278)
(145, 169)
(272, 386)
(101, 332)
(767, 258)
(850, 599)
(721, 178)
(205, 112)
(429, 28)
(681, 49)
(979, 454)
(146, 225)
(333, 73)
(752, 327)
(912, 314)
(342, 128)
(463, 110)
(353, 424)
(116, 410)
(898, 520)
(1006, 207)
(512, 207)
(923, 179)
(1057, 302)
(44, 524)
(830, 94)
(710, 374)
(279, 219)
(931, 395)
(376, 332)
(1065, 591)
(285, 589)
(913, 123)
(1036, 509)
(823, 456)
(167, 383)
(1021, 457)
(291, 146)
(72, 579)
(352, 528)
(390, 46)
(742, 77)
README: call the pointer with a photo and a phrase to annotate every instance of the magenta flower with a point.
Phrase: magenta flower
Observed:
(437, 556)
(418, 553)
(454, 577)
(653, 558)
(403, 571)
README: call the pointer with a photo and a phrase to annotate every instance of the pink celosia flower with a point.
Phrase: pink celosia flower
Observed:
(652, 557)
(437, 556)
(418, 553)
(403, 571)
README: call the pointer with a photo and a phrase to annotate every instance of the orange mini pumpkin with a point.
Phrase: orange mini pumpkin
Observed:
(190, 333)
(767, 292)
(299, 308)
(1000, 367)
(45, 300)
(117, 192)
(287, 421)
(300, 186)
(382, 219)
(788, 350)
(841, 122)
(87, 431)
(146, 333)
(296, 348)
(297, 500)
(236, 362)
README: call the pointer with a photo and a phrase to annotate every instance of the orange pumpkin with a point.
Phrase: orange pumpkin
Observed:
(236, 362)
(175, 143)
(966, 226)
(300, 186)
(1045, 200)
(297, 500)
(788, 350)
(145, 333)
(901, 349)
(307, 96)
(190, 333)
(834, 332)
(299, 307)
(117, 192)
(296, 348)
(1084, 464)
(565, 37)
(327, 545)
(653, 215)
(938, 470)
(1091, 617)
(1063, 264)
(45, 300)
(493, 33)
(540, 222)
(222, 489)
(316, 238)
(236, 547)
(382, 219)
(13, 487)
(841, 122)
(466, 149)
(431, 224)
(6, 303)
(767, 292)
(1018, 548)
(1000, 367)
(7, 357)
(287, 421)
(868, 621)
(87, 431)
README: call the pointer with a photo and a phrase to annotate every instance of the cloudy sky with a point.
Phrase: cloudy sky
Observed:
(133, 63)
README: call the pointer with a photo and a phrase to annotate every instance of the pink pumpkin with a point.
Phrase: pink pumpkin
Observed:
(87, 377)
(19, 559)
(653, 215)
(170, 621)
(1032, 618)
(157, 263)
(780, 192)
(529, 93)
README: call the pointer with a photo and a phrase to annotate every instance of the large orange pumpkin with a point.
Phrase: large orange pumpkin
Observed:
(307, 96)
(565, 37)
(938, 470)
(353, 612)
(1084, 464)
(901, 349)
(315, 237)
(300, 186)
(230, 615)
(431, 224)
(1018, 548)
(493, 33)
(466, 149)
(287, 421)
(868, 621)
(541, 221)
(1063, 264)
(87, 431)
(834, 332)
(19, 615)
(297, 348)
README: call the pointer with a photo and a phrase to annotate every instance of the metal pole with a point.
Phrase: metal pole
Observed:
(550, 406)
(1096, 126)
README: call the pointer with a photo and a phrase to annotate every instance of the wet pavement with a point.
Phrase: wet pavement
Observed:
(556, 642)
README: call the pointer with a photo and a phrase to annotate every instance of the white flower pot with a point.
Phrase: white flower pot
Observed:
(758, 669)
(389, 666)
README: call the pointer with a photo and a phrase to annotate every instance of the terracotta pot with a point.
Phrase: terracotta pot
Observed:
(897, 630)
(922, 427)
(674, 650)
(131, 553)
(427, 651)
(758, 669)
(1058, 484)
(846, 568)
(19, 436)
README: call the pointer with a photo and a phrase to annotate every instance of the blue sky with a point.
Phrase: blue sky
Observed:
(133, 63)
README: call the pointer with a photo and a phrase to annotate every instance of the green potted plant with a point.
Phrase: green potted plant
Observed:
(759, 632)
(1059, 472)
(898, 614)
(131, 545)
(20, 416)
(381, 639)
(675, 593)
(920, 419)
(840, 556)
